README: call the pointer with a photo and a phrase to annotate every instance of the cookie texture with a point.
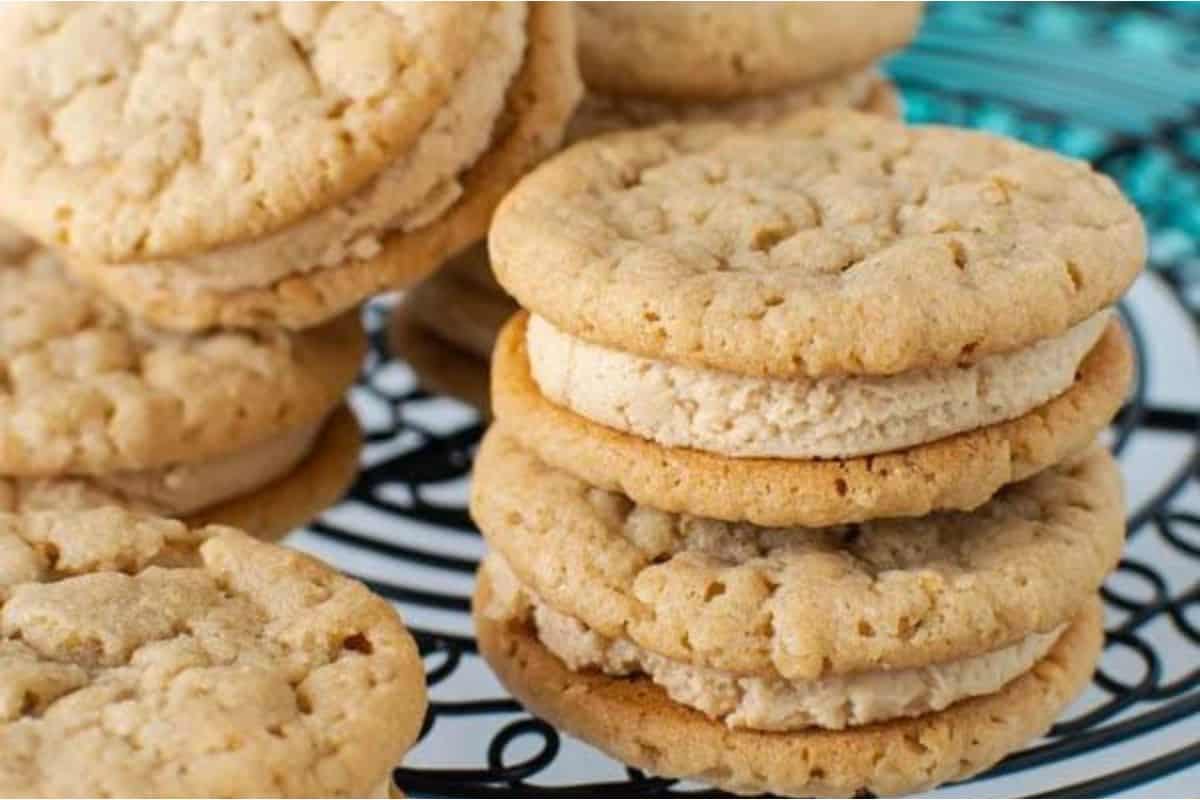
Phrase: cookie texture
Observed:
(539, 104)
(86, 389)
(632, 720)
(440, 367)
(269, 512)
(835, 417)
(833, 243)
(144, 658)
(707, 51)
(956, 473)
(279, 110)
(804, 602)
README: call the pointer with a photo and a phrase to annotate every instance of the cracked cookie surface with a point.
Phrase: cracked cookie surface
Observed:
(86, 389)
(122, 122)
(804, 602)
(835, 243)
(141, 657)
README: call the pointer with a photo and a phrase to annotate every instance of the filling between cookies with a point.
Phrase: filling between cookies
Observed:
(834, 417)
(603, 113)
(409, 194)
(763, 702)
(187, 488)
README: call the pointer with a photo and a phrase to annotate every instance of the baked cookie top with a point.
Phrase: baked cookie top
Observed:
(802, 603)
(86, 389)
(121, 122)
(835, 243)
(710, 51)
(143, 658)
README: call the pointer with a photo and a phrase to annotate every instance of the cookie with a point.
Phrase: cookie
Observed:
(865, 89)
(713, 51)
(440, 367)
(959, 472)
(270, 512)
(172, 422)
(835, 243)
(144, 658)
(634, 721)
(804, 603)
(427, 205)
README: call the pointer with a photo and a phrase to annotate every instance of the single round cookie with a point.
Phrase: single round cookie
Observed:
(634, 721)
(88, 390)
(269, 512)
(959, 472)
(835, 243)
(439, 366)
(804, 603)
(298, 291)
(712, 51)
(278, 110)
(144, 658)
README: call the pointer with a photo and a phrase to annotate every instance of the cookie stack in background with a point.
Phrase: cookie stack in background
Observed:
(794, 483)
(213, 190)
(98, 408)
(651, 63)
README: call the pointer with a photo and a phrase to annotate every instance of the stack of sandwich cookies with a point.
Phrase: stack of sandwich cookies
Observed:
(833, 320)
(446, 327)
(97, 408)
(793, 443)
(650, 63)
(145, 658)
(354, 147)
(889, 656)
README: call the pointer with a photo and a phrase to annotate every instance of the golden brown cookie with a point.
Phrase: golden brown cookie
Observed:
(634, 721)
(835, 243)
(145, 658)
(539, 100)
(956, 473)
(710, 51)
(802, 602)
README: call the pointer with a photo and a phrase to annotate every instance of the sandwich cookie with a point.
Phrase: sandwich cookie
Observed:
(834, 319)
(888, 656)
(446, 328)
(651, 63)
(143, 658)
(97, 408)
(354, 147)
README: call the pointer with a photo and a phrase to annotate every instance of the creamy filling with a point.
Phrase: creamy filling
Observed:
(186, 488)
(768, 703)
(833, 417)
(409, 194)
(602, 113)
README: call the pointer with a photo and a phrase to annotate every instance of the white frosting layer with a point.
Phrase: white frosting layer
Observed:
(835, 417)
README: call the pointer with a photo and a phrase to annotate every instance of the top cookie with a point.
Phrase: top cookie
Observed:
(141, 658)
(85, 389)
(714, 51)
(835, 243)
(120, 123)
